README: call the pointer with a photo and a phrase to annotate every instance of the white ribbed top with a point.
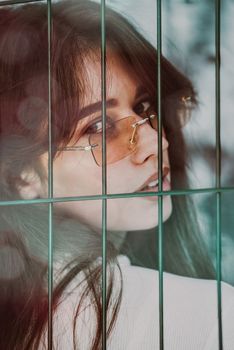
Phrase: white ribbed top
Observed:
(190, 314)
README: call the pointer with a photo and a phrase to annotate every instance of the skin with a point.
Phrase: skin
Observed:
(76, 173)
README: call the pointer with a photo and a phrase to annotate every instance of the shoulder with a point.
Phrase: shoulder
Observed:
(190, 311)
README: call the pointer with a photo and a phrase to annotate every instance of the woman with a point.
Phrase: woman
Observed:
(132, 156)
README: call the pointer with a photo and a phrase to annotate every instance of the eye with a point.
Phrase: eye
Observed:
(96, 126)
(143, 106)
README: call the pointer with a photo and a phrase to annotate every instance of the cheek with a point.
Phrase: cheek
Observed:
(116, 182)
(76, 177)
(120, 177)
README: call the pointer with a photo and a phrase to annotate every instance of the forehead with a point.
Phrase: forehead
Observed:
(119, 79)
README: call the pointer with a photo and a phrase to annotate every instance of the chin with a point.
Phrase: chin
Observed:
(142, 218)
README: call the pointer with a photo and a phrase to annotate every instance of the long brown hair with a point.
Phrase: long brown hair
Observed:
(76, 34)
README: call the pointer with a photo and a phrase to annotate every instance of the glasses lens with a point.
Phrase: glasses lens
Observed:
(118, 144)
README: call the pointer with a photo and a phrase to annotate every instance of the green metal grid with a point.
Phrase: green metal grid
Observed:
(104, 171)
(217, 190)
(160, 161)
(50, 186)
(218, 168)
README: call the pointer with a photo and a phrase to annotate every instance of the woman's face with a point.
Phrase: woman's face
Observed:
(75, 173)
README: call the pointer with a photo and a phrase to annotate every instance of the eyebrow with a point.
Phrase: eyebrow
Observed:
(97, 106)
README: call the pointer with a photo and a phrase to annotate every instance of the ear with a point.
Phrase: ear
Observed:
(29, 185)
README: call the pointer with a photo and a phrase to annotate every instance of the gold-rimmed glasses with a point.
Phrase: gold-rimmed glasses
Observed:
(121, 138)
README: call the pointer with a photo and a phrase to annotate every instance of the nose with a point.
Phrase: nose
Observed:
(147, 144)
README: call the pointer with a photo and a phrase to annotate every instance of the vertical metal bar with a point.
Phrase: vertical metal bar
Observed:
(218, 169)
(160, 198)
(50, 189)
(104, 187)
(217, 92)
(219, 267)
(160, 268)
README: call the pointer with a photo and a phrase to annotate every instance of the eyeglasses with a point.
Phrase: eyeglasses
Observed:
(121, 138)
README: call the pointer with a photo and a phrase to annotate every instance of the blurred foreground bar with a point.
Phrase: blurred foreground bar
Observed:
(15, 2)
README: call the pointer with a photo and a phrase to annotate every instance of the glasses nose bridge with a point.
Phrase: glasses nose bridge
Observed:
(135, 126)
(140, 129)
(141, 122)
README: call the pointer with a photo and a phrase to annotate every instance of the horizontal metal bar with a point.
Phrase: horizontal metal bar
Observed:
(117, 195)
(17, 2)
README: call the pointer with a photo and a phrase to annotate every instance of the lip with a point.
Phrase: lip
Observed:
(154, 177)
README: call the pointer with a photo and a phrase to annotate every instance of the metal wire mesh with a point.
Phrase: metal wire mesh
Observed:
(217, 190)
